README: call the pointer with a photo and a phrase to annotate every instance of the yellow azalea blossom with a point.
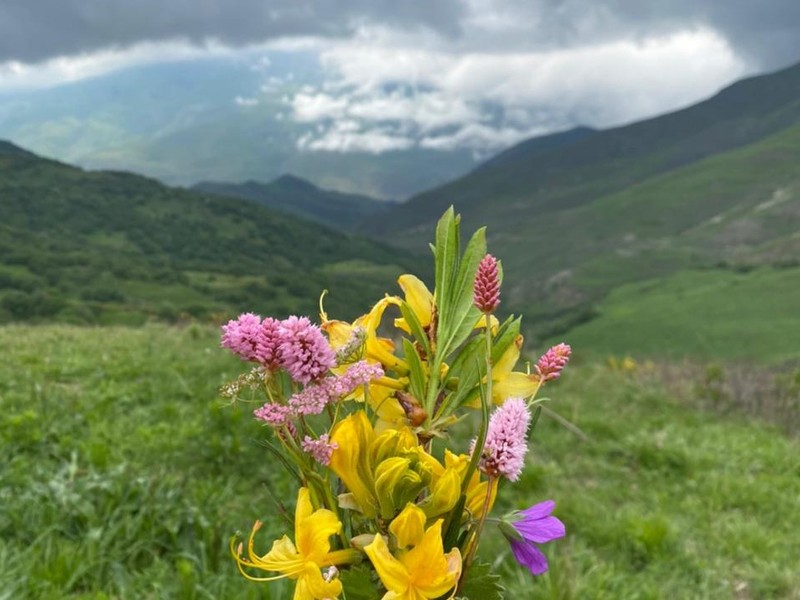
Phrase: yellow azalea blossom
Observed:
(507, 383)
(476, 489)
(304, 559)
(421, 573)
(420, 301)
(350, 459)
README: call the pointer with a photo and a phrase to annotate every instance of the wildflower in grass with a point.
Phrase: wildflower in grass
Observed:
(527, 528)
(320, 449)
(277, 415)
(422, 572)
(552, 362)
(304, 351)
(306, 557)
(241, 336)
(486, 291)
(506, 444)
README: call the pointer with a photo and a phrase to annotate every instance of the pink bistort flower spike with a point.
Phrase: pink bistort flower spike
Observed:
(552, 362)
(241, 336)
(320, 449)
(357, 374)
(304, 351)
(486, 292)
(506, 440)
(267, 344)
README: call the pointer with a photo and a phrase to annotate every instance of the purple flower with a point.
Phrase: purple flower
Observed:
(530, 527)
(267, 343)
(277, 415)
(506, 443)
(304, 351)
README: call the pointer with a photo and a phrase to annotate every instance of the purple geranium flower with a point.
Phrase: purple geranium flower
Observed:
(530, 527)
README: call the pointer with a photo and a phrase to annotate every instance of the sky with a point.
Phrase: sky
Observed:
(443, 74)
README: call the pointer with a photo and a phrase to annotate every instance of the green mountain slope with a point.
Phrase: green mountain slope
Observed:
(568, 176)
(711, 314)
(715, 185)
(117, 247)
(302, 198)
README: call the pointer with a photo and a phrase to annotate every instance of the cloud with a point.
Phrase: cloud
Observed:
(246, 102)
(36, 31)
(416, 87)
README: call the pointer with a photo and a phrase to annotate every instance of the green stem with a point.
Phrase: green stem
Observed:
(486, 398)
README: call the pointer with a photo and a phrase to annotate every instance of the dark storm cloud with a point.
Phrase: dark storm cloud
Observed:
(766, 33)
(35, 30)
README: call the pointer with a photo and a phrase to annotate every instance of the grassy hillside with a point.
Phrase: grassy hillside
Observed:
(716, 184)
(106, 247)
(299, 197)
(126, 477)
(712, 314)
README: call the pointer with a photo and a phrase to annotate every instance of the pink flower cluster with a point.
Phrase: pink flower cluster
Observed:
(486, 291)
(294, 344)
(552, 362)
(320, 449)
(506, 440)
(313, 399)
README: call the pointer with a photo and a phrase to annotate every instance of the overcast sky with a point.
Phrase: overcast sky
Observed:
(479, 74)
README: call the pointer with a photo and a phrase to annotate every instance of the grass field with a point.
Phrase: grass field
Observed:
(709, 314)
(124, 476)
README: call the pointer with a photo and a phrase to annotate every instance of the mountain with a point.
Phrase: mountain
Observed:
(714, 185)
(221, 119)
(302, 198)
(114, 247)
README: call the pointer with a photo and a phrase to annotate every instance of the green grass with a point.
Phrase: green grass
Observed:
(125, 476)
(711, 314)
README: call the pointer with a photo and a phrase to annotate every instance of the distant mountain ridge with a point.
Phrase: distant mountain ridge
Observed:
(716, 184)
(302, 198)
(114, 247)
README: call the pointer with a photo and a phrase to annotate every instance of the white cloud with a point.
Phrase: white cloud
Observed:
(417, 86)
(246, 102)
(15, 75)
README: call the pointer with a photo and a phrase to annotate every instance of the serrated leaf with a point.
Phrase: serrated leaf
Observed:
(482, 584)
(358, 583)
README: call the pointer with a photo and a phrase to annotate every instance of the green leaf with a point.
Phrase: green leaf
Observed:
(482, 584)
(415, 326)
(416, 375)
(358, 583)
(446, 260)
(462, 315)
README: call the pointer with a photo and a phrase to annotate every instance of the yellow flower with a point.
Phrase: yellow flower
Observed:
(350, 460)
(476, 489)
(420, 301)
(421, 573)
(304, 559)
(507, 383)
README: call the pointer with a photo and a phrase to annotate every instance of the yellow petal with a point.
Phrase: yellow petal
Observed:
(391, 571)
(444, 493)
(409, 526)
(508, 360)
(432, 572)
(514, 385)
(339, 333)
(312, 585)
(313, 532)
(350, 460)
(418, 298)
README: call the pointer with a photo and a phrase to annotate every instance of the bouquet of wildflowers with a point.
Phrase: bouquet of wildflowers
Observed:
(391, 503)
